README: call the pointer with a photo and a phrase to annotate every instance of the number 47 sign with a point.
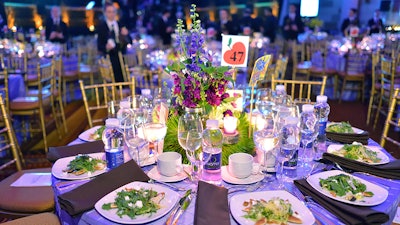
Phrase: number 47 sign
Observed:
(235, 50)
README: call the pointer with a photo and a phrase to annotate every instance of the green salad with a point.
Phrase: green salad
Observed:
(273, 211)
(98, 133)
(84, 164)
(134, 202)
(358, 152)
(344, 186)
(342, 127)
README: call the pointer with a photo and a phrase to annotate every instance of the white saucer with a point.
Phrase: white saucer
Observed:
(155, 175)
(227, 177)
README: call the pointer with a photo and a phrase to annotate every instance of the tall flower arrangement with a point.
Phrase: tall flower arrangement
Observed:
(197, 84)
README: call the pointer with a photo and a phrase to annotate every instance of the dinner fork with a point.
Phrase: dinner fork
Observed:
(151, 181)
(249, 188)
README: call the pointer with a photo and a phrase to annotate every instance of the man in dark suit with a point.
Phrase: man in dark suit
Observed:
(165, 28)
(375, 25)
(352, 20)
(112, 39)
(292, 24)
(56, 29)
(225, 25)
(269, 26)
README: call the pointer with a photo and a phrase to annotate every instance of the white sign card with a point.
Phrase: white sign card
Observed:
(235, 50)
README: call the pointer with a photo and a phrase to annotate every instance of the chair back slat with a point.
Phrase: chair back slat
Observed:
(392, 119)
(297, 86)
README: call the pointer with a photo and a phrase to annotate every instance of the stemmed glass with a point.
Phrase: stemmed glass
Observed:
(154, 133)
(138, 148)
(309, 131)
(162, 94)
(190, 129)
(264, 102)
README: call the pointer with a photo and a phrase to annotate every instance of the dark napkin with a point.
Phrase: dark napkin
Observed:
(389, 170)
(84, 197)
(350, 214)
(211, 205)
(72, 150)
(348, 138)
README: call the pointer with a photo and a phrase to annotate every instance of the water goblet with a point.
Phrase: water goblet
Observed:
(264, 102)
(266, 140)
(154, 133)
(138, 148)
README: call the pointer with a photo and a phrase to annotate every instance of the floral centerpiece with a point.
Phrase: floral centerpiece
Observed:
(199, 84)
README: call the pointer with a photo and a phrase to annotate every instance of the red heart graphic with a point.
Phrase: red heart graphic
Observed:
(236, 55)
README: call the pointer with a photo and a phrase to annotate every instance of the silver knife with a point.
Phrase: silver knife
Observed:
(177, 207)
(182, 209)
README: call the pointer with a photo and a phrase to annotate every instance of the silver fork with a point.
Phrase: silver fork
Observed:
(151, 181)
(249, 188)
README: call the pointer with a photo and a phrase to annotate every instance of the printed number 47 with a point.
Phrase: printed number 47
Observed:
(237, 56)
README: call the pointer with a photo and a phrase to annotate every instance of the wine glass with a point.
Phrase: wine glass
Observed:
(139, 109)
(154, 133)
(266, 140)
(190, 129)
(138, 148)
(309, 131)
(264, 102)
(162, 94)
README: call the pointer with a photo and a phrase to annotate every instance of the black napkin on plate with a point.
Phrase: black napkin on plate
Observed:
(211, 205)
(389, 170)
(350, 214)
(72, 150)
(84, 197)
(348, 138)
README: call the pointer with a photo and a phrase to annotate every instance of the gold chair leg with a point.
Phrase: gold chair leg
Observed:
(55, 117)
(64, 121)
(42, 124)
(378, 109)
(371, 100)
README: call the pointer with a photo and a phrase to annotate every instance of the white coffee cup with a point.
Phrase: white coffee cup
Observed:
(240, 165)
(169, 163)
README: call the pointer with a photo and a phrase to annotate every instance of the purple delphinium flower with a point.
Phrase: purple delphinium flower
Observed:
(228, 113)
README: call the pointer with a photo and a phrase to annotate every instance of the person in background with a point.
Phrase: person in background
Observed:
(56, 29)
(165, 28)
(112, 39)
(352, 20)
(292, 24)
(225, 25)
(247, 23)
(375, 24)
(269, 25)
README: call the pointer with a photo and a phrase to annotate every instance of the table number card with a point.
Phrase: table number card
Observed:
(235, 50)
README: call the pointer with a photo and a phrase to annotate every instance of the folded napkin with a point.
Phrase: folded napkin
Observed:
(350, 214)
(66, 151)
(84, 197)
(389, 170)
(211, 205)
(348, 138)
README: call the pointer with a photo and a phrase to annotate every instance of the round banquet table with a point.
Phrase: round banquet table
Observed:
(92, 217)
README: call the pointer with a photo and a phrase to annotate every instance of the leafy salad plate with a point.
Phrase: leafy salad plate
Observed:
(362, 153)
(166, 203)
(347, 188)
(61, 165)
(89, 135)
(239, 205)
(343, 128)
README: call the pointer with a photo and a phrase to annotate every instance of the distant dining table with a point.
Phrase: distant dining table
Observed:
(322, 216)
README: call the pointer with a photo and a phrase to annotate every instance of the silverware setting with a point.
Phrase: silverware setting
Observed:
(179, 209)
(151, 181)
(246, 188)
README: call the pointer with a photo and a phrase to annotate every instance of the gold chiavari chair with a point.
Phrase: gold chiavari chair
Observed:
(301, 89)
(106, 71)
(15, 201)
(300, 64)
(4, 89)
(86, 62)
(375, 85)
(392, 120)
(96, 104)
(57, 91)
(388, 82)
(69, 73)
(38, 102)
(280, 68)
(354, 72)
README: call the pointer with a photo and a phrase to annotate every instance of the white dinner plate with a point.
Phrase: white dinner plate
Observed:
(62, 164)
(355, 129)
(236, 205)
(227, 177)
(155, 175)
(169, 201)
(86, 135)
(384, 158)
(380, 193)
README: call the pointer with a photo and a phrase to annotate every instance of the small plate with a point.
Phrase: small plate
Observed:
(86, 135)
(380, 193)
(227, 177)
(169, 201)
(236, 205)
(355, 129)
(384, 158)
(155, 175)
(61, 164)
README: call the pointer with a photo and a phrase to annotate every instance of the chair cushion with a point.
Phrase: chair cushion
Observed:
(27, 103)
(41, 218)
(32, 78)
(26, 199)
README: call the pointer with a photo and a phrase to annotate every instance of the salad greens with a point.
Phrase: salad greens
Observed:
(134, 202)
(84, 164)
(358, 152)
(273, 211)
(344, 186)
(98, 133)
(342, 127)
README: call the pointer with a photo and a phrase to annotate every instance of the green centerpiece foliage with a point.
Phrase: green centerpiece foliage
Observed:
(245, 144)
